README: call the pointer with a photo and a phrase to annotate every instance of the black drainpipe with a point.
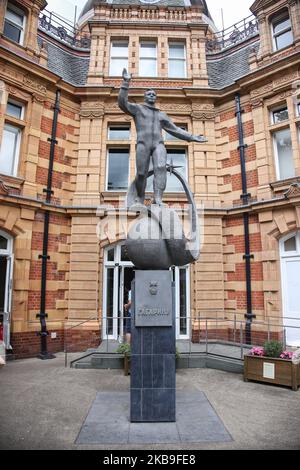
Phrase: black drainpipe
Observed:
(245, 198)
(44, 355)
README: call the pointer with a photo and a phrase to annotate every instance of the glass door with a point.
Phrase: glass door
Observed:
(8, 301)
(182, 299)
(118, 274)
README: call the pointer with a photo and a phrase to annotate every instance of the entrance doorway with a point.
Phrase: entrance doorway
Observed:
(118, 275)
(290, 269)
(6, 274)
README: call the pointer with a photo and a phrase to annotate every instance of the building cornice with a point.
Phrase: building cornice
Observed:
(290, 199)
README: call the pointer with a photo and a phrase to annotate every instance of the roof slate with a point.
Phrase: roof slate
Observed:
(225, 71)
(70, 67)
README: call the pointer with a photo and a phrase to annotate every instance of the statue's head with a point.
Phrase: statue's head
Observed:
(150, 97)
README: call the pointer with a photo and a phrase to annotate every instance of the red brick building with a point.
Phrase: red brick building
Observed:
(59, 117)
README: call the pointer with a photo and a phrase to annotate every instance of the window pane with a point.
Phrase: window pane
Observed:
(8, 152)
(14, 110)
(111, 255)
(117, 66)
(178, 157)
(118, 168)
(3, 243)
(280, 115)
(148, 68)
(172, 137)
(176, 51)
(124, 256)
(14, 17)
(119, 49)
(119, 133)
(284, 40)
(283, 24)
(290, 245)
(285, 154)
(148, 50)
(12, 32)
(177, 68)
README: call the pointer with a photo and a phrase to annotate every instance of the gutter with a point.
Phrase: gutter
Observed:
(42, 316)
(245, 198)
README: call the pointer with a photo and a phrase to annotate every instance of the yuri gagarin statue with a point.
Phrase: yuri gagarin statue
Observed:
(150, 122)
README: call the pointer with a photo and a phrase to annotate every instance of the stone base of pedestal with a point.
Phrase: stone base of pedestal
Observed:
(153, 348)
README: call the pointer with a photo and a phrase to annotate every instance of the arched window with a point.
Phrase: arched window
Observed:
(282, 31)
(290, 245)
(5, 243)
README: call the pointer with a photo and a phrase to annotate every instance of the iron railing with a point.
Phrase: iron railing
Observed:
(220, 337)
(67, 32)
(239, 32)
(63, 30)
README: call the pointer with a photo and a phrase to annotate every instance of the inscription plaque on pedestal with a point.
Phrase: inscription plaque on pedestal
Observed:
(153, 299)
(153, 348)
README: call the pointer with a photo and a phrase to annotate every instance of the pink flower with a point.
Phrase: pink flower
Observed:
(287, 355)
(257, 351)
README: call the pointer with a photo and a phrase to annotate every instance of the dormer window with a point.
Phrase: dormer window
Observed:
(282, 31)
(14, 23)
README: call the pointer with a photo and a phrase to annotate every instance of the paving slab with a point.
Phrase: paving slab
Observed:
(197, 422)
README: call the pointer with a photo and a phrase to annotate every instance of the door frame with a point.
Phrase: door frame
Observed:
(284, 258)
(8, 255)
(118, 265)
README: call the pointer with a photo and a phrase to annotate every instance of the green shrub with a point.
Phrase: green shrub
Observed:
(273, 348)
(124, 349)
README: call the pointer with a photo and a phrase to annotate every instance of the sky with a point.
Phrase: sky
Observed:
(233, 10)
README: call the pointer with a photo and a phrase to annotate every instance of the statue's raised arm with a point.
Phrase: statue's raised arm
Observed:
(128, 108)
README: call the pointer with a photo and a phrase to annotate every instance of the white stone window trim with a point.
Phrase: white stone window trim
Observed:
(280, 18)
(107, 170)
(20, 12)
(18, 104)
(289, 254)
(174, 59)
(275, 110)
(277, 166)
(9, 248)
(145, 58)
(113, 43)
(17, 149)
(126, 127)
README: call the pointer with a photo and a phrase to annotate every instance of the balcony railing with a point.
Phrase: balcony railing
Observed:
(239, 32)
(63, 30)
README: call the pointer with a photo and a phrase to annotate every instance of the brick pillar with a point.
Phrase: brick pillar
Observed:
(96, 69)
(33, 21)
(3, 101)
(3, 5)
(265, 37)
(198, 40)
(264, 166)
(294, 8)
(31, 157)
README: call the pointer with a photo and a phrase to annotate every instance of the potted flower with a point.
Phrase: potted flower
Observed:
(126, 350)
(271, 364)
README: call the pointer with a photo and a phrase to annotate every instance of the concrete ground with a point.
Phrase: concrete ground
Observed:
(43, 406)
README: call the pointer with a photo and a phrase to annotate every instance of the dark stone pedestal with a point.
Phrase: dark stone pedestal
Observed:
(153, 348)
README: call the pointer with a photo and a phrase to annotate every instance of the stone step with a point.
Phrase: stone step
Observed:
(186, 361)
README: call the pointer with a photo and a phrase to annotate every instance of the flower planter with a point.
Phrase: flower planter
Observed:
(273, 371)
